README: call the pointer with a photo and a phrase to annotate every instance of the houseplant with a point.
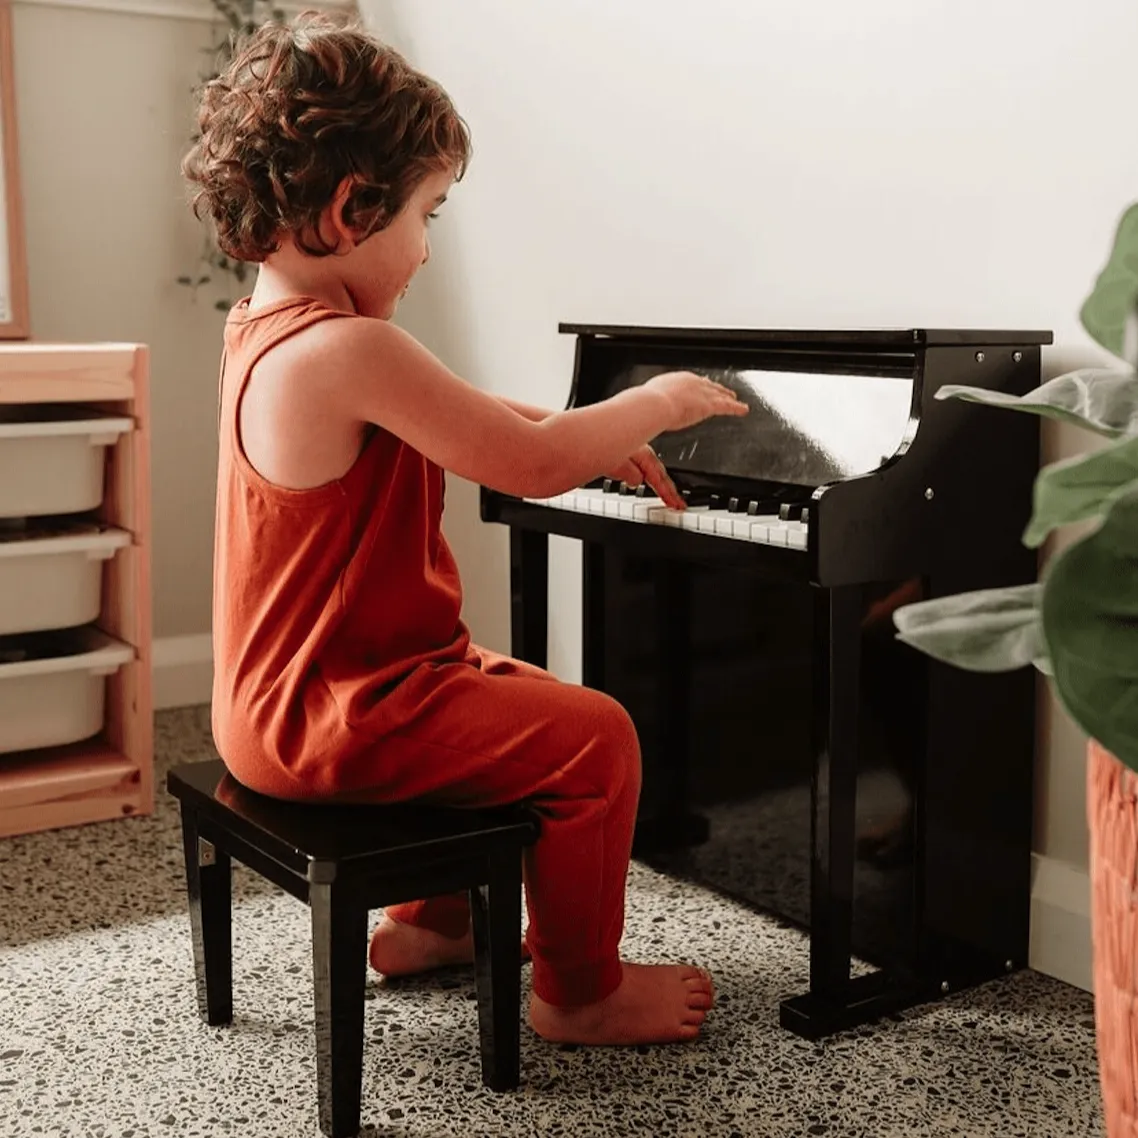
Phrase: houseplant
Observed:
(1079, 625)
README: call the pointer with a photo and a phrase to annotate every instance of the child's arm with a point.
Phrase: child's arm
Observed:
(375, 372)
(533, 414)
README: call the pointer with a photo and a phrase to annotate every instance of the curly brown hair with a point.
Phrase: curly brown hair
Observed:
(303, 106)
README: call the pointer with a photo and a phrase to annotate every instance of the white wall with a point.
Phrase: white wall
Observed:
(825, 165)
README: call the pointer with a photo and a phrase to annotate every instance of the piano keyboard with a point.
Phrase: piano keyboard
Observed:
(764, 529)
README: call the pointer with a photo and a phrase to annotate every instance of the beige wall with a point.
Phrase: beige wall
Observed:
(757, 165)
(783, 166)
(104, 114)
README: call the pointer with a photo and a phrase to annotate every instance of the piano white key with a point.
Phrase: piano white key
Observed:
(767, 529)
(760, 527)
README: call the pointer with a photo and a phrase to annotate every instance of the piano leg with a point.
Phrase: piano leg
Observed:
(674, 825)
(529, 596)
(835, 1000)
(593, 615)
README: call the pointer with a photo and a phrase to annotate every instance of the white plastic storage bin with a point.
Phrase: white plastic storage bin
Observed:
(53, 686)
(52, 577)
(52, 458)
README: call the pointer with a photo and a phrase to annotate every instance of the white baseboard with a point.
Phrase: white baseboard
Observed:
(1061, 921)
(182, 670)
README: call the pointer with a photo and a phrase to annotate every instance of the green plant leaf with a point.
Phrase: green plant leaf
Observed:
(1101, 399)
(1080, 488)
(1090, 625)
(1105, 312)
(991, 630)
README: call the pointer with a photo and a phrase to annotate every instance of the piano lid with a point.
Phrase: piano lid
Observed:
(864, 338)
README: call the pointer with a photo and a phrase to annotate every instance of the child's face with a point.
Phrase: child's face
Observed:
(378, 271)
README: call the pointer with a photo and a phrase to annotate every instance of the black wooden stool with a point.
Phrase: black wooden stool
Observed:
(343, 861)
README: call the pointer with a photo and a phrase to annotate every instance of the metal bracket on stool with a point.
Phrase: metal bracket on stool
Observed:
(207, 852)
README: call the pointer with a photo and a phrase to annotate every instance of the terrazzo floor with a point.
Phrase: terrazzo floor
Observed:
(99, 1036)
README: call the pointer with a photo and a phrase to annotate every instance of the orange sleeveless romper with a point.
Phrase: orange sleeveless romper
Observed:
(342, 669)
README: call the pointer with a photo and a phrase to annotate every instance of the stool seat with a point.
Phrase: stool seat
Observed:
(368, 838)
(342, 860)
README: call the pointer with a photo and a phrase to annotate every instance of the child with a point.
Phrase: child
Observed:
(343, 670)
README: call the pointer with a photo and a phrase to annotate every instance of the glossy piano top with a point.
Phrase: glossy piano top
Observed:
(863, 338)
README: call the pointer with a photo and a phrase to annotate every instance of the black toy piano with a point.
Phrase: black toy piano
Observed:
(796, 755)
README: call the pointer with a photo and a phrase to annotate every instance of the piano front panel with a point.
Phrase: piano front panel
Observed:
(815, 417)
(747, 685)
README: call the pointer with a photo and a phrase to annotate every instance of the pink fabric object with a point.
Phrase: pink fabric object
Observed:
(1112, 812)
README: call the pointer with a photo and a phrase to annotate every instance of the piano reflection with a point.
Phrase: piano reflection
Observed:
(796, 755)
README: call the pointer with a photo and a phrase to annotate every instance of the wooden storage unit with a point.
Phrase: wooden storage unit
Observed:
(112, 774)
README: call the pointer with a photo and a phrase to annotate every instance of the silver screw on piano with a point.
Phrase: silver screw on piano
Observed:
(979, 357)
(944, 985)
(1017, 356)
(929, 494)
(1009, 965)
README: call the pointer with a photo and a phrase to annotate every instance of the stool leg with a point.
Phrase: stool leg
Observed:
(211, 922)
(339, 971)
(496, 915)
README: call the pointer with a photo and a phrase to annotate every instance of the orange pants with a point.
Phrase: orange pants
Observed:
(491, 731)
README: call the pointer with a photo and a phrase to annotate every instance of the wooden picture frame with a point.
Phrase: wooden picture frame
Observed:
(14, 320)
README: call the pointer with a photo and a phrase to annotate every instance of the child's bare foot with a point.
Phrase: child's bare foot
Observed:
(397, 949)
(655, 1003)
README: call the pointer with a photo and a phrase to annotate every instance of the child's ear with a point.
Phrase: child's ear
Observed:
(342, 236)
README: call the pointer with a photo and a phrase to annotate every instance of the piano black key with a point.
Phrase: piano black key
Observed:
(762, 506)
(611, 485)
(699, 497)
(791, 511)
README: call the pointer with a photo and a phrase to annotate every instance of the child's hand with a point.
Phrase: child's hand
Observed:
(694, 398)
(643, 466)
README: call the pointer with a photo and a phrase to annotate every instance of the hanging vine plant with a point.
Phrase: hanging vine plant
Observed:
(236, 20)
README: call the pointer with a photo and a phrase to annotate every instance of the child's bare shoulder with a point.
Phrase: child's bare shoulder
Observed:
(331, 354)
